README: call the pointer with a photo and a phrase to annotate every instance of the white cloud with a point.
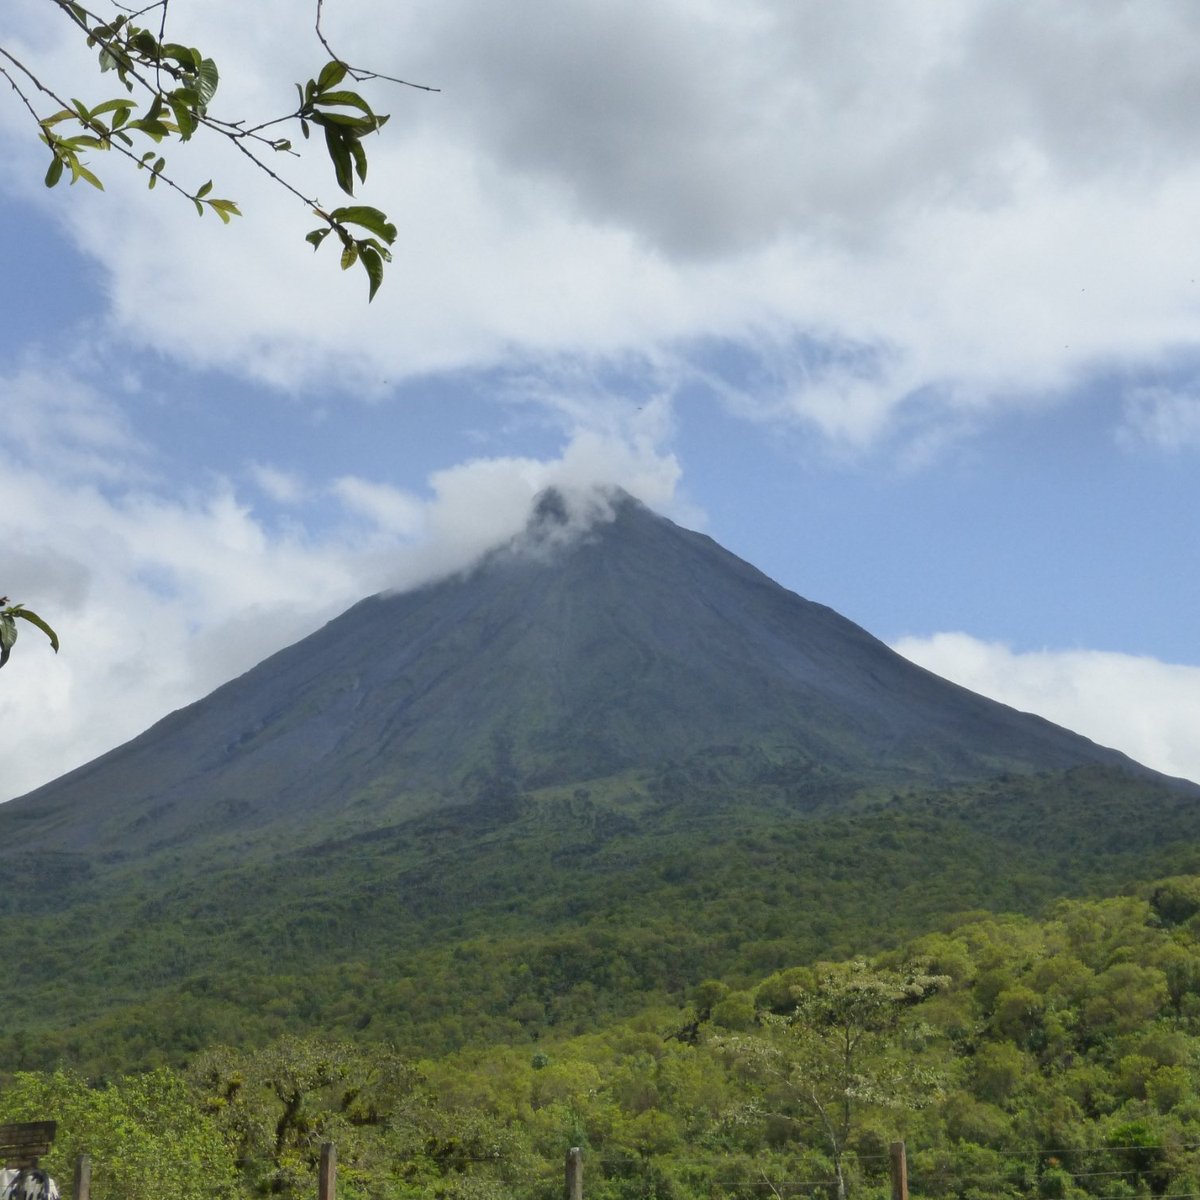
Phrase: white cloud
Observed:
(988, 201)
(481, 503)
(284, 487)
(391, 509)
(1162, 417)
(1148, 709)
(53, 421)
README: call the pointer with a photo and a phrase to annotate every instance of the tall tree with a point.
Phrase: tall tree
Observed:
(839, 1052)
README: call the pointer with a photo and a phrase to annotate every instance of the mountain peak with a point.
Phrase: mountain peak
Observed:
(562, 516)
(581, 506)
(604, 641)
(549, 507)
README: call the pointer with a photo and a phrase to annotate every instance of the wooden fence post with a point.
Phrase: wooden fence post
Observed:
(899, 1171)
(327, 1177)
(83, 1177)
(575, 1173)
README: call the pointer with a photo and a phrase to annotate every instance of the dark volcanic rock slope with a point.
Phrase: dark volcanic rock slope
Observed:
(562, 657)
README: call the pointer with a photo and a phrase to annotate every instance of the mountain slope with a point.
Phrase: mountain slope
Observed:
(569, 655)
(607, 763)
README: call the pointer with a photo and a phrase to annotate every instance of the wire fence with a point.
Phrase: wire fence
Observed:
(1049, 1173)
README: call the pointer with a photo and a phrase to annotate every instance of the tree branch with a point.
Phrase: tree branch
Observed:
(356, 73)
(180, 85)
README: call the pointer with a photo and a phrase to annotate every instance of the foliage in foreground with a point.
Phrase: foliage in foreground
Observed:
(167, 89)
(10, 614)
(1016, 1057)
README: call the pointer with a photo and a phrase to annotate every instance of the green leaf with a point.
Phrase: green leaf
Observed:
(373, 265)
(154, 130)
(146, 43)
(184, 115)
(360, 158)
(207, 79)
(377, 245)
(317, 236)
(19, 610)
(224, 209)
(347, 99)
(349, 255)
(54, 173)
(356, 125)
(368, 218)
(79, 171)
(113, 106)
(281, 144)
(339, 155)
(188, 57)
(332, 73)
(8, 635)
(204, 189)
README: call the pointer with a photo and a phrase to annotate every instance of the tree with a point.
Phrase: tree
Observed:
(168, 89)
(10, 614)
(278, 1103)
(838, 1052)
(145, 1134)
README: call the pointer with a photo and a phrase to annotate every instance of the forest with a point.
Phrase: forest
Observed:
(1052, 1056)
(463, 930)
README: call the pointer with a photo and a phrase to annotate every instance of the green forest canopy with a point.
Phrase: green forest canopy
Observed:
(1017, 1057)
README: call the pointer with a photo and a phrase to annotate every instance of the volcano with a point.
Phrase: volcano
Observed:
(602, 640)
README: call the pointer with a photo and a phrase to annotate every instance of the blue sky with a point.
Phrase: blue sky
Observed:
(897, 301)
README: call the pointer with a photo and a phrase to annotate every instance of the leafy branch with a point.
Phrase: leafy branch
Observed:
(10, 614)
(177, 84)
